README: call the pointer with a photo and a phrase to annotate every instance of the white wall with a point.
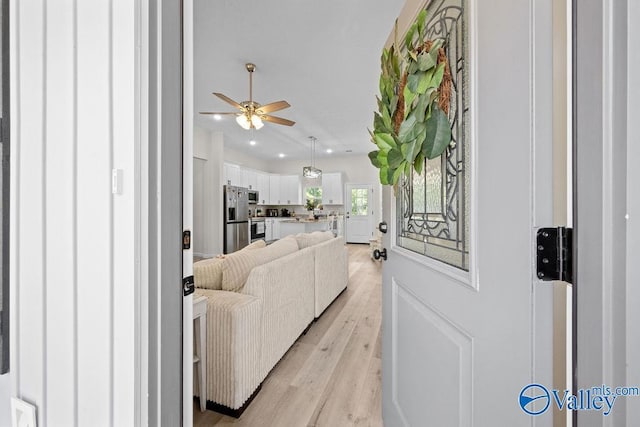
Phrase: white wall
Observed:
(73, 257)
(243, 159)
(209, 147)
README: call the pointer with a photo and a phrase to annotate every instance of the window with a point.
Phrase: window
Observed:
(433, 206)
(359, 201)
(313, 197)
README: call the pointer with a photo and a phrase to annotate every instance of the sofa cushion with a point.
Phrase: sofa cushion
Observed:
(309, 239)
(238, 265)
(208, 272)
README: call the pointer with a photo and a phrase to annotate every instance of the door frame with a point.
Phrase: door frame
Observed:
(159, 218)
(603, 264)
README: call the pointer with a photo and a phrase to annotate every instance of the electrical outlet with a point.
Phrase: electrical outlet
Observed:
(23, 414)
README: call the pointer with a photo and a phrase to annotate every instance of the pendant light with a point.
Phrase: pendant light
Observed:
(312, 175)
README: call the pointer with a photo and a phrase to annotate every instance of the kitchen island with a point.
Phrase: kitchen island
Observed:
(303, 225)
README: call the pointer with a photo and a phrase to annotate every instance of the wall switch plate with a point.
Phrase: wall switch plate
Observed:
(23, 414)
(116, 181)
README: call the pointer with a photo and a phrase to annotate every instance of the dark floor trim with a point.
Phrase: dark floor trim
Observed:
(225, 410)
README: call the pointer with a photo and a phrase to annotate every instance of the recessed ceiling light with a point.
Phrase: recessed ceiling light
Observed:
(217, 117)
(329, 150)
(281, 155)
(349, 151)
(252, 142)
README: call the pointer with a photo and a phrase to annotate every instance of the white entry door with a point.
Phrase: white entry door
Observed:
(359, 213)
(466, 324)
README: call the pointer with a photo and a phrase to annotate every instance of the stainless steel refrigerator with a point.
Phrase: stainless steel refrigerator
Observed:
(236, 218)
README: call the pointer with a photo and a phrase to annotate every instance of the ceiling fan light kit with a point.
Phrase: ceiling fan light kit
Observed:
(252, 114)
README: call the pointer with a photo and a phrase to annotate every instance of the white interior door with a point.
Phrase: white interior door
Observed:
(359, 213)
(466, 325)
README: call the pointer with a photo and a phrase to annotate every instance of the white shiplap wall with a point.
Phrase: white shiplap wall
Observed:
(73, 241)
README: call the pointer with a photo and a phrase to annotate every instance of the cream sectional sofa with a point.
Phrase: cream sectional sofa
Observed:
(260, 300)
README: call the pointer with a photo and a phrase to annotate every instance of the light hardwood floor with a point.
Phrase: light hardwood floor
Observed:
(331, 376)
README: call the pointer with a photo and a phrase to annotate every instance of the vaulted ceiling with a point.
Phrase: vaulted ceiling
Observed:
(323, 57)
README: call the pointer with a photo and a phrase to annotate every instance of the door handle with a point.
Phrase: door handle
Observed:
(377, 254)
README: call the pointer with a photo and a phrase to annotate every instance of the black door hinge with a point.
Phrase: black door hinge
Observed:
(554, 248)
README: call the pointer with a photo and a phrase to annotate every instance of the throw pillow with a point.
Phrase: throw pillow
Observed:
(309, 239)
(238, 265)
(208, 273)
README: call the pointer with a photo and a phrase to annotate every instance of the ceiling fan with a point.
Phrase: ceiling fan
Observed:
(252, 114)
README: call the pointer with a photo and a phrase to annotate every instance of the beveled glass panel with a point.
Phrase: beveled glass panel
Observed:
(433, 206)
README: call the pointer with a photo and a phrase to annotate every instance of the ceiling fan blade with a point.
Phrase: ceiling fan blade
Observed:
(274, 106)
(278, 120)
(228, 100)
(215, 112)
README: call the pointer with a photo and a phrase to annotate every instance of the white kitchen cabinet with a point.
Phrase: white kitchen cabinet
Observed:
(268, 229)
(262, 185)
(332, 189)
(249, 179)
(274, 190)
(232, 175)
(290, 190)
(276, 227)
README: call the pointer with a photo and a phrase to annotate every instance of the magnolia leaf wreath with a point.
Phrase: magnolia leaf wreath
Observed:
(412, 122)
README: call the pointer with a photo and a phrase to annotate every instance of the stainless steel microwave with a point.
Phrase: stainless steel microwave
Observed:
(252, 196)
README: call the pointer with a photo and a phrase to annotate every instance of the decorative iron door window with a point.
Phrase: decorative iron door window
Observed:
(433, 206)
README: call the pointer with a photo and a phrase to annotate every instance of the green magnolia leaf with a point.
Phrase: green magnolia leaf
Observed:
(406, 131)
(384, 141)
(413, 80)
(410, 129)
(373, 157)
(382, 158)
(421, 108)
(418, 163)
(394, 158)
(407, 169)
(425, 81)
(393, 103)
(408, 100)
(408, 39)
(438, 134)
(410, 150)
(386, 117)
(426, 61)
(437, 76)
(384, 175)
(413, 67)
(378, 123)
(420, 20)
(396, 173)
